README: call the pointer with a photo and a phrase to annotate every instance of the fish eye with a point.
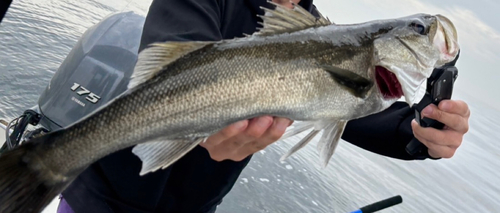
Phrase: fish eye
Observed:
(419, 28)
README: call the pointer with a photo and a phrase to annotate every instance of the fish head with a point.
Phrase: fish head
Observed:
(407, 54)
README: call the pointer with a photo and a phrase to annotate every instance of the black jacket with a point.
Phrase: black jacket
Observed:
(196, 183)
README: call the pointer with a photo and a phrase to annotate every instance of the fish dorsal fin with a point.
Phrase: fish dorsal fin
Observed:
(285, 20)
(158, 55)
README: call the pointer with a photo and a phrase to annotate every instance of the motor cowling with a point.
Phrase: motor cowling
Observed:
(96, 70)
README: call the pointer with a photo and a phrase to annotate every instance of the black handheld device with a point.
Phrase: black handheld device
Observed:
(439, 87)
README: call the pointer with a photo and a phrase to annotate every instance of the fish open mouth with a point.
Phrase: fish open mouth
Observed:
(388, 83)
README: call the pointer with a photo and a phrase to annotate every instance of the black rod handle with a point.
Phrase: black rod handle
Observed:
(392, 201)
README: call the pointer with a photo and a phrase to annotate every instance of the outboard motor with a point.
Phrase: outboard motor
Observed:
(95, 71)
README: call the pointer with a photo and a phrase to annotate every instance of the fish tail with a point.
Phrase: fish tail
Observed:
(26, 185)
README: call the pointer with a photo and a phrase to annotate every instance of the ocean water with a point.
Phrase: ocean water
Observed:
(36, 35)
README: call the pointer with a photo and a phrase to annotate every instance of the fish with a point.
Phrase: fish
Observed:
(296, 65)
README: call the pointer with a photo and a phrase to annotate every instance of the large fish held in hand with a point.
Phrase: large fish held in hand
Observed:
(297, 66)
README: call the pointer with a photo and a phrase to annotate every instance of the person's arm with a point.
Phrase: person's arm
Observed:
(385, 133)
(388, 132)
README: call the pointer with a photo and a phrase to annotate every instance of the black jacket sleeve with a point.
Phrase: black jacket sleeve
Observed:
(4, 6)
(386, 133)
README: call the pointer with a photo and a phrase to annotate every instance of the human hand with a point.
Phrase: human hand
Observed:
(243, 138)
(442, 143)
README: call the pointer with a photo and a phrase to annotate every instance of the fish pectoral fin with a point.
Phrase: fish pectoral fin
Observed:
(161, 154)
(282, 19)
(330, 140)
(155, 57)
(354, 83)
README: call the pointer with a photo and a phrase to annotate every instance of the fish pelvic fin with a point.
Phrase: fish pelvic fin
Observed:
(153, 59)
(330, 140)
(300, 144)
(332, 132)
(26, 185)
(352, 82)
(160, 154)
(297, 128)
(285, 20)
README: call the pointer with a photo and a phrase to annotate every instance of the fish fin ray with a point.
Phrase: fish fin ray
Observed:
(317, 126)
(153, 59)
(300, 144)
(330, 140)
(161, 154)
(354, 83)
(297, 128)
(285, 20)
(325, 136)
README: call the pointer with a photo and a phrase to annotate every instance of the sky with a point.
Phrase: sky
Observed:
(478, 34)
